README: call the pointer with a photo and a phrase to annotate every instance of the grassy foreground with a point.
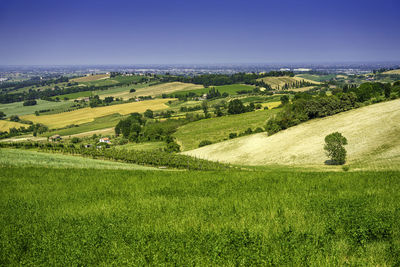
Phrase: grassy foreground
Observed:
(121, 217)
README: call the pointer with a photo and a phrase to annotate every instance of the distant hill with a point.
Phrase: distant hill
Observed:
(372, 132)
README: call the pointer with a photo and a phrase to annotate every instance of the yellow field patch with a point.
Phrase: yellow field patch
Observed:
(6, 125)
(392, 72)
(276, 82)
(156, 90)
(91, 78)
(271, 104)
(89, 114)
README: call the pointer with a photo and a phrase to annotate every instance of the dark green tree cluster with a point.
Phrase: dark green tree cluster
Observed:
(236, 106)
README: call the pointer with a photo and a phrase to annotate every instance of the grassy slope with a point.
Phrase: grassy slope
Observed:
(20, 158)
(372, 133)
(116, 217)
(91, 78)
(19, 109)
(217, 129)
(318, 78)
(86, 115)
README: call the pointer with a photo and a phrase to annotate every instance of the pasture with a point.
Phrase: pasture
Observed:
(76, 216)
(372, 133)
(218, 129)
(86, 115)
(17, 108)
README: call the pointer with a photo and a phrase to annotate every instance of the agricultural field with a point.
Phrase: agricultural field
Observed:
(148, 146)
(76, 216)
(218, 129)
(392, 72)
(28, 158)
(86, 115)
(278, 82)
(6, 125)
(89, 128)
(231, 89)
(372, 133)
(155, 90)
(17, 108)
(319, 78)
(91, 78)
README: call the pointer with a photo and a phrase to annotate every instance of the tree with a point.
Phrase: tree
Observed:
(204, 107)
(334, 147)
(2, 115)
(14, 118)
(236, 107)
(149, 114)
(284, 99)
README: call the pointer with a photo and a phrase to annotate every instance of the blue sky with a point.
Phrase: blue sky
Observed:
(170, 32)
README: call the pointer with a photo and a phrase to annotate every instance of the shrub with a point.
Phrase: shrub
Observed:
(29, 103)
(334, 147)
(205, 143)
(345, 168)
(232, 135)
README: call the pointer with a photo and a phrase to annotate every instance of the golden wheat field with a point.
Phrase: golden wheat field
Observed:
(6, 125)
(89, 114)
(156, 90)
(392, 72)
(274, 82)
(91, 78)
(372, 133)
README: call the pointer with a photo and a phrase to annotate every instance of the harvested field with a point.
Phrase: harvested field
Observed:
(91, 78)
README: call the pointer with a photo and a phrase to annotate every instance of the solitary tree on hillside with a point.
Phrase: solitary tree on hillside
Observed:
(334, 147)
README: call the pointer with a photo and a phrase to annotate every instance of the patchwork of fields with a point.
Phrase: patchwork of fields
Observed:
(372, 133)
(89, 114)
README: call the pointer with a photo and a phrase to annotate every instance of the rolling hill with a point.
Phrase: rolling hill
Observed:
(397, 71)
(372, 133)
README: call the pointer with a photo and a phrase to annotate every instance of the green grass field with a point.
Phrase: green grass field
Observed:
(29, 158)
(231, 89)
(118, 217)
(17, 108)
(217, 129)
(143, 146)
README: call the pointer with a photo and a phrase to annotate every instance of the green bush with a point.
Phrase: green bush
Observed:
(205, 143)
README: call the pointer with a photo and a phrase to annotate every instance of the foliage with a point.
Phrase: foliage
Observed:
(334, 147)
(30, 102)
(205, 143)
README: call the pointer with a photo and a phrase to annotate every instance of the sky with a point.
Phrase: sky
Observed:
(60, 32)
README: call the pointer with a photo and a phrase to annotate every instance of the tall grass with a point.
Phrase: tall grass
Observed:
(119, 217)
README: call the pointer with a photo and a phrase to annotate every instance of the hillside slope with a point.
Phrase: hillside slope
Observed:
(372, 133)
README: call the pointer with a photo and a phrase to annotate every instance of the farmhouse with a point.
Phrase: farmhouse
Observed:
(55, 138)
(105, 140)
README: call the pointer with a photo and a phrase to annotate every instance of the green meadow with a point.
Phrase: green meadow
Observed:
(76, 216)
